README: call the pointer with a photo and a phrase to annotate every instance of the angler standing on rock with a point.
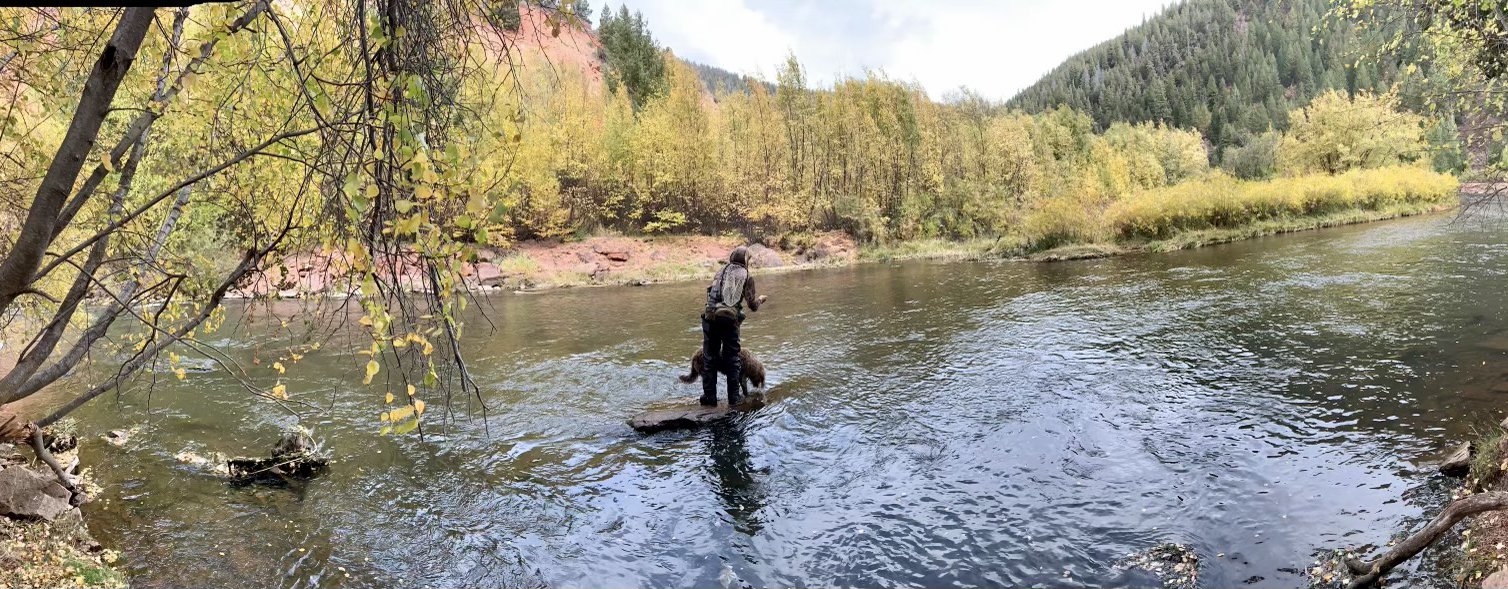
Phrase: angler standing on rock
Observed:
(731, 288)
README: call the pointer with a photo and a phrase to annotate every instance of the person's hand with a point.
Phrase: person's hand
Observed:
(761, 299)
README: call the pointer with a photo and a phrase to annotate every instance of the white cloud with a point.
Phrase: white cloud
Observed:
(994, 47)
(725, 33)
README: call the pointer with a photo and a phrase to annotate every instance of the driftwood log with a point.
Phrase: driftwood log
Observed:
(1368, 573)
(13, 428)
(294, 457)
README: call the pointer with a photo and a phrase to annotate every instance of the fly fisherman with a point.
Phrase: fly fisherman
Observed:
(730, 290)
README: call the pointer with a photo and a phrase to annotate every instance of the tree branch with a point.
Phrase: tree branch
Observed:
(153, 201)
(143, 122)
(1369, 573)
(42, 217)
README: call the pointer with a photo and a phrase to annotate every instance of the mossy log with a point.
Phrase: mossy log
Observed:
(276, 469)
(293, 458)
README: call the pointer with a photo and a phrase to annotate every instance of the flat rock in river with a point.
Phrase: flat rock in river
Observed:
(688, 416)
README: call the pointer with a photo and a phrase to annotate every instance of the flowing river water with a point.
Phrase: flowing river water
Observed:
(934, 424)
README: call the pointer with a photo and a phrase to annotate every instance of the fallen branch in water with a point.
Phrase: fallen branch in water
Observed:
(1369, 573)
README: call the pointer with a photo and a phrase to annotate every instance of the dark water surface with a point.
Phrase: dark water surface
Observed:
(937, 424)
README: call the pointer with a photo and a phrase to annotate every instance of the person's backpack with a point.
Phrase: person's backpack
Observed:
(725, 296)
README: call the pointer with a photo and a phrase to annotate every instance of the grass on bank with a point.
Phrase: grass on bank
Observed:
(1220, 208)
(1211, 210)
(1479, 553)
(972, 249)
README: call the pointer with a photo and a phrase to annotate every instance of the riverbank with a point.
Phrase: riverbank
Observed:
(1480, 556)
(44, 541)
(1213, 210)
(1208, 237)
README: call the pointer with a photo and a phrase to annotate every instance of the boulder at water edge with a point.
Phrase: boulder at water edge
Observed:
(763, 257)
(26, 493)
(1458, 463)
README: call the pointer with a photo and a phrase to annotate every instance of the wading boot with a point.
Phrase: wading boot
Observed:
(709, 389)
(735, 386)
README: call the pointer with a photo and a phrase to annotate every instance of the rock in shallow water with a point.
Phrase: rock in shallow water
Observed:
(1176, 566)
(1459, 461)
(689, 417)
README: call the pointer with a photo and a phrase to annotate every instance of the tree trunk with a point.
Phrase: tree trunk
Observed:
(1369, 573)
(99, 91)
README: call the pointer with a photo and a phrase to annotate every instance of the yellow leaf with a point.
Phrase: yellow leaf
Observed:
(406, 427)
(401, 413)
(408, 225)
(389, 397)
(385, 429)
(108, 165)
(179, 372)
(419, 406)
(410, 390)
(384, 416)
(278, 366)
(280, 391)
(372, 368)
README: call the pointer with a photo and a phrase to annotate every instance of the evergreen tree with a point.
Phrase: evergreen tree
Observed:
(635, 62)
(1229, 68)
(582, 9)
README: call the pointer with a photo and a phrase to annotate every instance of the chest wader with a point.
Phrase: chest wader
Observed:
(720, 335)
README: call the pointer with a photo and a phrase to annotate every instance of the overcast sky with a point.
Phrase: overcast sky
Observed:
(994, 47)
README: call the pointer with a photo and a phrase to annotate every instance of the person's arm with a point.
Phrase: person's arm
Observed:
(749, 295)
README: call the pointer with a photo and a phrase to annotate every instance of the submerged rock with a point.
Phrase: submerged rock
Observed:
(118, 437)
(1176, 566)
(27, 493)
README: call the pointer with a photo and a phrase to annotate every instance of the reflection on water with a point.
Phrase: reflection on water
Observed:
(929, 424)
(737, 483)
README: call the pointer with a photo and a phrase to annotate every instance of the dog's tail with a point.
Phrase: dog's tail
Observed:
(696, 371)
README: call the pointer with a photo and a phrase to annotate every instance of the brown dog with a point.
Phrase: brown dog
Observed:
(753, 370)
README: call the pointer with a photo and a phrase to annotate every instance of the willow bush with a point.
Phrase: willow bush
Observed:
(1221, 201)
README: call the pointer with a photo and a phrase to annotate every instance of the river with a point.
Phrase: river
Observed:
(937, 424)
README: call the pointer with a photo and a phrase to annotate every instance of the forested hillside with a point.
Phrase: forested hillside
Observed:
(1233, 69)
(720, 80)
